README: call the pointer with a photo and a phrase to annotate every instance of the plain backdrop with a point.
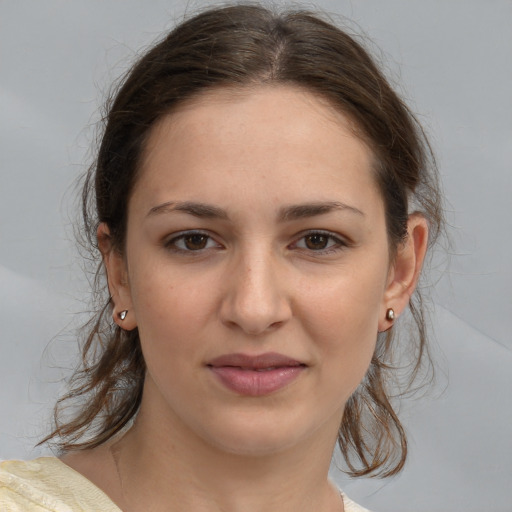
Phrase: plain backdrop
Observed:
(453, 59)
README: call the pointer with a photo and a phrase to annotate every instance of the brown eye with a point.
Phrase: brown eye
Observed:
(195, 242)
(320, 242)
(316, 241)
(192, 241)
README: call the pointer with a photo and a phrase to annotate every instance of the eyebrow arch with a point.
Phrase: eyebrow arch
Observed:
(301, 211)
(201, 210)
(287, 213)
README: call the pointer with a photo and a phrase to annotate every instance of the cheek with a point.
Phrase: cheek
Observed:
(172, 331)
(172, 311)
(345, 302)
(342, 319)
(167, 294)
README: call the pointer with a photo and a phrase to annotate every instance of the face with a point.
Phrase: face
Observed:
(256, 268)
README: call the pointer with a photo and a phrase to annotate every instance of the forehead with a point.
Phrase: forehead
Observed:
(280, 141)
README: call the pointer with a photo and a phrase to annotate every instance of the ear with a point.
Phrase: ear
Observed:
(117, 277)
(405, 270)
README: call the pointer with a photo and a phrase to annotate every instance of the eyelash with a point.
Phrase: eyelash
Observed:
(172, 243)
(336, 242)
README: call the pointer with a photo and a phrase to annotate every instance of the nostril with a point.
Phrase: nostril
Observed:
(254, 302)
(251, 329)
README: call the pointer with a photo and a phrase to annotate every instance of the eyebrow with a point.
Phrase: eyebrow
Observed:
(301, 211)
(202, 210)
(286, 213)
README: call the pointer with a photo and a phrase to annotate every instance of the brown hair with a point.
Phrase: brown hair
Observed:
(238, 46)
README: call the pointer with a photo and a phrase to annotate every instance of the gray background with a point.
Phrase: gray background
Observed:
(452, 57)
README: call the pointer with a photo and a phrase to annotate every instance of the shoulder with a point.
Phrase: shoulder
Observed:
(47, 484)
(351, 506)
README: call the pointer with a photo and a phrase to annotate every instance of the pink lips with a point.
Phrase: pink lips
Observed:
(255, 375)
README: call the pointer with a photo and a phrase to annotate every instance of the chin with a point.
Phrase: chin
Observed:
(259, 445)
(259, 435)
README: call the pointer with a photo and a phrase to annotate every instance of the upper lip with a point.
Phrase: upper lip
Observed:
(257, 362)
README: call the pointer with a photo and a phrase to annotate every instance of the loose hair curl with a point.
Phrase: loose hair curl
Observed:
(243, 46)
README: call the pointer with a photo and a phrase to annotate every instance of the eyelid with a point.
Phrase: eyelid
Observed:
(341, 242)
(170, 241)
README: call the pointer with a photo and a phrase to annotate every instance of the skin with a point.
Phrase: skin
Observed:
(265, 274)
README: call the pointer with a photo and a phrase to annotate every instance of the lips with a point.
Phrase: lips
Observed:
(255, 375)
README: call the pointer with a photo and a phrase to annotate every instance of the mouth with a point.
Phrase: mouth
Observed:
(255, 375)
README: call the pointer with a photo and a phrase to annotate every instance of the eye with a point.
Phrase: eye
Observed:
(191, 241)
(319, 241)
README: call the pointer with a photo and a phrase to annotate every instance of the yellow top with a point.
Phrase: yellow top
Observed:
(48, 485)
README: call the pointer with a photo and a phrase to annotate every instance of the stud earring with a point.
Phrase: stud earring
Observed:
(123, 314)
(390, 314)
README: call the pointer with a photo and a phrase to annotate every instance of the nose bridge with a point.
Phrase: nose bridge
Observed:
(256, 299)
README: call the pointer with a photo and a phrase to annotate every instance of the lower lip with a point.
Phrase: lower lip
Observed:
(256, 383)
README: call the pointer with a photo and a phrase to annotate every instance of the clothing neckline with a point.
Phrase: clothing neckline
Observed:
(86, 488)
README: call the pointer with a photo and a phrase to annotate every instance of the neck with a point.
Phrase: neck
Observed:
(164, 464)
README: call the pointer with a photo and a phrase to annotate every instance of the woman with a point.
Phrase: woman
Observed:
(262, 202)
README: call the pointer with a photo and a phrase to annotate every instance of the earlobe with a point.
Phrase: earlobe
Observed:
(117, 278)
(405, 269)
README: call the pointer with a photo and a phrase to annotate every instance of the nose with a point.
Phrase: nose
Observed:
(256, 300)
